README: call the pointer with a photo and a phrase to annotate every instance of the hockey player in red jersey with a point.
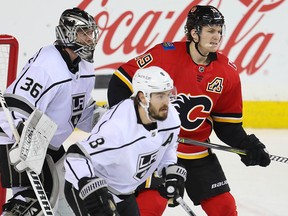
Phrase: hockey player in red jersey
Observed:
(209, 97)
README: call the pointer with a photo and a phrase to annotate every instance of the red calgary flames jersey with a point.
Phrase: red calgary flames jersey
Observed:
(206, 93)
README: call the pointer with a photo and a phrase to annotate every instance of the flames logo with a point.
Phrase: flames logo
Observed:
(193, 110)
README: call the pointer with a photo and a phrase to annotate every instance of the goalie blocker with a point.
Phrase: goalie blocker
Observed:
(35, 138)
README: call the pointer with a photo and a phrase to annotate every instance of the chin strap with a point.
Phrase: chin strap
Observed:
(197, 48)
(146, 107)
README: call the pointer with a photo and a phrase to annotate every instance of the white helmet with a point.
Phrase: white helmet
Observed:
(151, 80)
(72, 21)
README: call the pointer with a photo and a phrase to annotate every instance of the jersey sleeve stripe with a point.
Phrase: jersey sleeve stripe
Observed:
(87, 76)
(167, 129)
(19, 104)
(48, 89)
(227, 119)
(111, 115)
(125, 79)
(123, 146)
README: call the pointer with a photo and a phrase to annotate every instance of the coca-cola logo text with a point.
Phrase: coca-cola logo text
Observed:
(255, 12)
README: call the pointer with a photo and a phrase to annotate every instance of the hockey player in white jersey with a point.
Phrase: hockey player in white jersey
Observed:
(57, 80)
(132, 140)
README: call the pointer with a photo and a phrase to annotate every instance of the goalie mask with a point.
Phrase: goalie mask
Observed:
(203, 15)
(78, 31)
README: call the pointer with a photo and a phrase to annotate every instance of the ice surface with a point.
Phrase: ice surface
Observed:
(258, 191)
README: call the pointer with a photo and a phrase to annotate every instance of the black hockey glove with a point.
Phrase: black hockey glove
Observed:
(96, 198)
(256, 152)
(175, 177)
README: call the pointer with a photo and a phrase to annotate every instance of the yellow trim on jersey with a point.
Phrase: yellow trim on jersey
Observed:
(148, 182)
(124, 79)
(227, 119)
(193, 155)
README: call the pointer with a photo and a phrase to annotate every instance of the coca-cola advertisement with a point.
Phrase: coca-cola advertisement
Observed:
(254, 38)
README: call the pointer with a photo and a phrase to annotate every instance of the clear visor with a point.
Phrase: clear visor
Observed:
(223, 28)
(170, 95)
(173, 94)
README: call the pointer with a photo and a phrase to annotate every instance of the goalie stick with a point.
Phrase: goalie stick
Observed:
(227, 148)
(33, 177)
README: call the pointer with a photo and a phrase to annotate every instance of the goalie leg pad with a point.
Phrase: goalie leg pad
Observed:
(9, 176)
(63, 206)
(26, 203)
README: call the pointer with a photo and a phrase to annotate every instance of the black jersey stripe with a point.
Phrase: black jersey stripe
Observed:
(53, 85)
(19, 104)
(22, 74)
(231, 115)
(2, 133)
(123, 146)
(87, 76)
(74, 173)
(109, 117)
(167, 129)
(125, 74)
(59, 83)
(72, 170)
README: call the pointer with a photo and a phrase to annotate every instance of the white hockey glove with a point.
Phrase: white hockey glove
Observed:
(175, 177)
(30, 152)
(96, 198)
(97, 114)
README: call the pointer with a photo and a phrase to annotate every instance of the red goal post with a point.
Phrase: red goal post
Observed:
(9, 49)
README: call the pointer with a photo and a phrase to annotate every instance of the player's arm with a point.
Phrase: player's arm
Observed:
(29, 92)
(235, 136)
(92, 190)
(227, 117)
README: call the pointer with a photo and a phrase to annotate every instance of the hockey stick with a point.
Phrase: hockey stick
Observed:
(185, 206)
(33, 177)
(227, 148)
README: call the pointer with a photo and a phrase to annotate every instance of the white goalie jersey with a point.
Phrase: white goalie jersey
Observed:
(122, 151)
(46, 83)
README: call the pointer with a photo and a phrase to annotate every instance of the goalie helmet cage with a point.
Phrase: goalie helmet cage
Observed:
(9, 48)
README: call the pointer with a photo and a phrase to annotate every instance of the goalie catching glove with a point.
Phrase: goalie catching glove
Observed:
(175, 177)
(96, 198)
(256, 153)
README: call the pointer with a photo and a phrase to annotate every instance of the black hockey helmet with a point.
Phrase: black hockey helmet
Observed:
(202, 15)
(71, 22)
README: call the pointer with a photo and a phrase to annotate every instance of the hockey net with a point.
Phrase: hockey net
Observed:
(8, 70)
